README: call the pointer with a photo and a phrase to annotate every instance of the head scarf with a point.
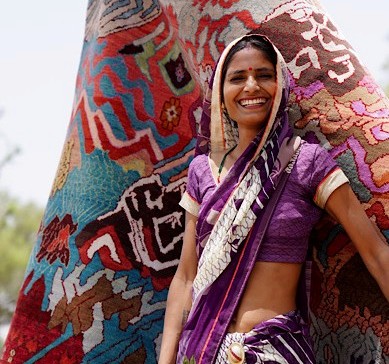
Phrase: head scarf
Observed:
(216, 131)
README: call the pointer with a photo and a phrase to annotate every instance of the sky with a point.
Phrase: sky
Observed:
(41, 44)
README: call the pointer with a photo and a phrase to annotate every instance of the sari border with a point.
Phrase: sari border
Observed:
(189, 204)
(328, 185)
(224, 299)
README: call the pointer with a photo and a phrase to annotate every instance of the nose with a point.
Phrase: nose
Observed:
(251, 83)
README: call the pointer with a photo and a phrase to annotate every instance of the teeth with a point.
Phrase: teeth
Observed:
(257, 101)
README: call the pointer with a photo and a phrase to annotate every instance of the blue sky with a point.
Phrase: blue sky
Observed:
(40, 52)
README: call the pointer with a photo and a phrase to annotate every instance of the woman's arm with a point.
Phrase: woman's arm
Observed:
(344, 206)
(179, 299)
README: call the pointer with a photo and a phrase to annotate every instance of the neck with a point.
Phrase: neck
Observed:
(246, 136)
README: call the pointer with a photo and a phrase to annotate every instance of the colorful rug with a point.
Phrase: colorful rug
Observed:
(109, 242)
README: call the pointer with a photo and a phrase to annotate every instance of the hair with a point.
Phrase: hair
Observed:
(251, 41)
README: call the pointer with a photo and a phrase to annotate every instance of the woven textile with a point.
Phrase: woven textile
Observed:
(109, 241)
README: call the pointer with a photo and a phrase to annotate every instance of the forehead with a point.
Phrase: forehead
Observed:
(250, 57)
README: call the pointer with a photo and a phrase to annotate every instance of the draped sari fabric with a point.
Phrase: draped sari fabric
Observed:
(232, 222)
(283, 339)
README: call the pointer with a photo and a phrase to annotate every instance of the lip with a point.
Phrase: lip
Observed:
(252, 102)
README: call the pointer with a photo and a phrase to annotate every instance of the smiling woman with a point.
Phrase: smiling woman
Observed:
(238, 234)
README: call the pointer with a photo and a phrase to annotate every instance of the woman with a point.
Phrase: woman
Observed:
(254, 193)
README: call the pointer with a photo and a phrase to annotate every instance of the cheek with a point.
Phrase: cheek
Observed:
(228, 95)
(229, 104)
(272, 88)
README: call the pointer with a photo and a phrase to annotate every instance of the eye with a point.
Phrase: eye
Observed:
(265, 76)
(236, 78)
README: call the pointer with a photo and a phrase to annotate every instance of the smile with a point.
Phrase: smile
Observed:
(249, 102)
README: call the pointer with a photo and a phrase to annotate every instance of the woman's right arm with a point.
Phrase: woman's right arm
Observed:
(179, 299)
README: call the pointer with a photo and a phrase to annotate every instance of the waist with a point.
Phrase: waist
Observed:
(246, 321)
(270, 291)
(290, 318)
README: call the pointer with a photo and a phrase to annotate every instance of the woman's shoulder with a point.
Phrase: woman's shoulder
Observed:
(199, 164)
(309, 152)
(311, 147)
(313, 165)
(199, 160)
(309, 160)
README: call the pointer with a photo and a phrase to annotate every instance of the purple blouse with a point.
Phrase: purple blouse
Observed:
(287, 236)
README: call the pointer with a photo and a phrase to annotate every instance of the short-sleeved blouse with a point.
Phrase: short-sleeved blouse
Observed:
(313, 178)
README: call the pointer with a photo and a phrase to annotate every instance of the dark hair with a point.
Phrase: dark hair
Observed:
(254, 41)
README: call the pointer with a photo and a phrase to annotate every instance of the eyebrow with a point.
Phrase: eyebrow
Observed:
(261, 69)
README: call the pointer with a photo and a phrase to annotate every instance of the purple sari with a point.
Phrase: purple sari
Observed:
(232, 222)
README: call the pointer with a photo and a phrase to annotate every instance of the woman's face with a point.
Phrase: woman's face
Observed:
(249, 88)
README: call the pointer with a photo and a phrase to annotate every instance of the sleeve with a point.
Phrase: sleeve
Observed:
(190, 200)
(326, 176)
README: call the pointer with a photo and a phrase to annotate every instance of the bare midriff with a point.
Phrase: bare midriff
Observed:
(270, 291)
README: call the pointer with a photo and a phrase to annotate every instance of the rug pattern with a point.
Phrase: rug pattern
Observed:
(109, 241)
